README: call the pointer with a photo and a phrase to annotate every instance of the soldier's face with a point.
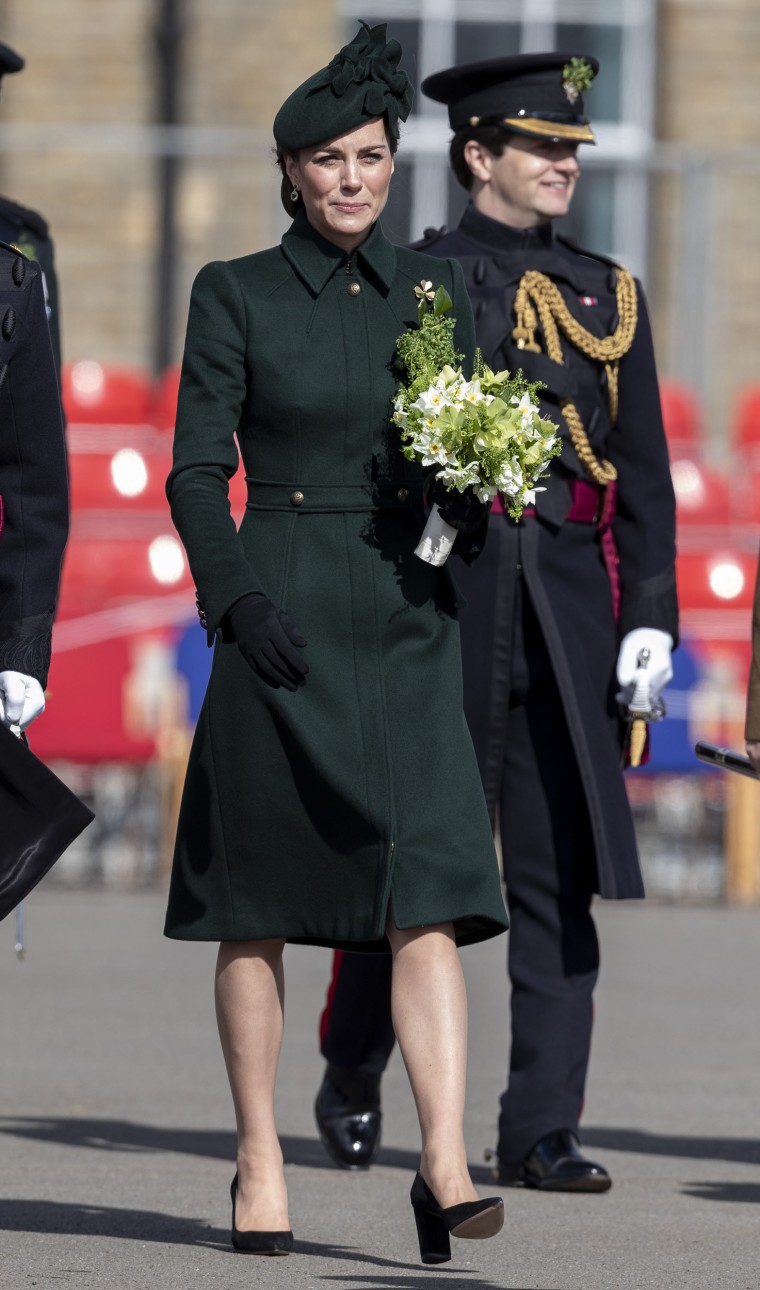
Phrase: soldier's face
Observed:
(531, 182)
(344, 182)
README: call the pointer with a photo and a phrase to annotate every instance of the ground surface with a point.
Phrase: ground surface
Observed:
(116, 1130)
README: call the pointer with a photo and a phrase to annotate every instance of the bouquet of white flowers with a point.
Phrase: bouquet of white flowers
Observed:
(485, 434)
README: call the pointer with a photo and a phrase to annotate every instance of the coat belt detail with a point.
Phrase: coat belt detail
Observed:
(276, 495)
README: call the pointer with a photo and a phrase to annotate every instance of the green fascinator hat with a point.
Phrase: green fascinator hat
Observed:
(362, 81)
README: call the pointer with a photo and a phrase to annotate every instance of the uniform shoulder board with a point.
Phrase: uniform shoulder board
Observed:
(24, 217)
(429, 237)
(590, 255)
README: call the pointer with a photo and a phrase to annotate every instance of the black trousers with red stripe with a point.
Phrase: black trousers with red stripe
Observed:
(553, 954)
(356, 1031)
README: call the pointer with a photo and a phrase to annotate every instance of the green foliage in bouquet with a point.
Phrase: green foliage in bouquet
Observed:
(424, 352)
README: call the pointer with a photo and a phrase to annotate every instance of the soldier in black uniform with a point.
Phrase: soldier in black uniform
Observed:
(33, 490)
(560, 606)
(27, 230)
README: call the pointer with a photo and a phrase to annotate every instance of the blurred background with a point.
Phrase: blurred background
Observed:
(141, 129)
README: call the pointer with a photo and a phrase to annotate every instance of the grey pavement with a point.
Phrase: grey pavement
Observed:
(116, 1131)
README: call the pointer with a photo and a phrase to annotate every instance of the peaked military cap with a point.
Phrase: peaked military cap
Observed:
(10, 61)
(362, 81)
(535, 94)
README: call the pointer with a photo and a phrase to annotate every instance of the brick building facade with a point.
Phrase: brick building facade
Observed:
(77, 142)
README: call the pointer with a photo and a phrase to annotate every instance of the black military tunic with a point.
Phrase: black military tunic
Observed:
(33, 476)
(561, 561)
(539, 646)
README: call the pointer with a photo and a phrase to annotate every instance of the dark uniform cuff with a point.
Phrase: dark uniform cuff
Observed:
(29, 655)
(653, 603)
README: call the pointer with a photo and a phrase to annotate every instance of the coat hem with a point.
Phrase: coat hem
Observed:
(469, 930)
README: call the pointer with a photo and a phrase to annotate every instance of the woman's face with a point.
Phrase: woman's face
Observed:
(344, 182)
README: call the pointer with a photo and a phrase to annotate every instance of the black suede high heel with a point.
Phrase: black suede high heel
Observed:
(475, 1220)
(258, 1242)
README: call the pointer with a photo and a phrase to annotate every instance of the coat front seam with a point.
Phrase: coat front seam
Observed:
(357, 692)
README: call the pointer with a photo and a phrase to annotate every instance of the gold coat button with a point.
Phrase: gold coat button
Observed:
(297, 498)
(353, 288)
(403, 494)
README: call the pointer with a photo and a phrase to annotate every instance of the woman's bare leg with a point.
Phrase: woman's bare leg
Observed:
(249, 993)
(429, 1004)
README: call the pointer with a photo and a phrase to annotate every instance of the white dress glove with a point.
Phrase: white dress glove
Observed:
(647, 683)
(21, 699)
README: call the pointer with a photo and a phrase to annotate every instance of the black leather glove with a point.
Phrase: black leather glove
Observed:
(266, 638)
(462, 511)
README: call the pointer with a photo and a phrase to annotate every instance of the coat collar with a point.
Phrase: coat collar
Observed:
(315, 260)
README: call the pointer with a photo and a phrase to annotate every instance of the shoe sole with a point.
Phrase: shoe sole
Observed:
(263, 1254)
(481, 1226)
(590, 1185)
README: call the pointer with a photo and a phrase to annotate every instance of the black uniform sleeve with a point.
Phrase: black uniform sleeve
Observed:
(644, 524)
(33, 473)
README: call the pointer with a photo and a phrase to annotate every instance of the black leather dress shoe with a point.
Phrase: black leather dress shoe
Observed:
(348, 1116)
(554, 1164)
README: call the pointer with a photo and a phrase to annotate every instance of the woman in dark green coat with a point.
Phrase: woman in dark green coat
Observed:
(332, 795)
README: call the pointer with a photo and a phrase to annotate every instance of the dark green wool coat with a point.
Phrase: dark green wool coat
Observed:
(305, 815)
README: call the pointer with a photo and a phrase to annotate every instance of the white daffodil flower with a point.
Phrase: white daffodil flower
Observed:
(526, 409)
(471, 391)
(460, 477)
(510, 480)
(432, 450)
(433, 399)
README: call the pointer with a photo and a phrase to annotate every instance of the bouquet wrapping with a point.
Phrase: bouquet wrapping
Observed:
(438, 538)
(484, 433)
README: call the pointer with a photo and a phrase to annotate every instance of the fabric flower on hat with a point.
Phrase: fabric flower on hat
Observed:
(371, 62)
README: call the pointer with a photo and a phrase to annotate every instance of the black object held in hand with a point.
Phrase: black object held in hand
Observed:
(268, 641)
(463, 511)
(725, 759)
(40, 818)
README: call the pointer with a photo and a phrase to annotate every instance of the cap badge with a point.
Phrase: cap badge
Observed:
(577, 76)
